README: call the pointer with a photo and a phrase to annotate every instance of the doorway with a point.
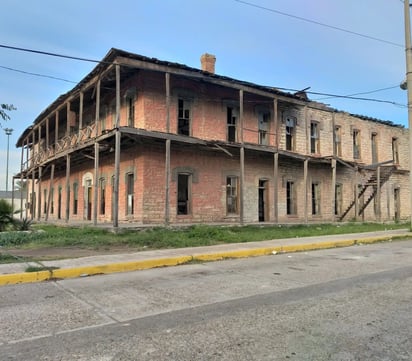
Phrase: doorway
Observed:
(263, 211)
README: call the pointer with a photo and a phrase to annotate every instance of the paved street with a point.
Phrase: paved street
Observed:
(338, 304)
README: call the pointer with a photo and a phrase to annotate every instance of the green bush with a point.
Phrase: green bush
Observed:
(6, 215)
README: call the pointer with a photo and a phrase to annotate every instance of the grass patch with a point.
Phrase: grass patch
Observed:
(39, 268)
(157, 238)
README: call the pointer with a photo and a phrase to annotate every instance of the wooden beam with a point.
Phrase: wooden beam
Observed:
(97, 115)
(378, 193)
(116, 180)
(333, 190)
(167, 78)
(81, 100)
(96, 180)
(117, 122)
(242, 161)
(39, 195)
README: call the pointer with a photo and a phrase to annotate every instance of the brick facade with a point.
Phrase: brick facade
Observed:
(198, 148)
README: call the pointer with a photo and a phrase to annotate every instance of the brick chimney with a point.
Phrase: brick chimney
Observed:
(208, 62)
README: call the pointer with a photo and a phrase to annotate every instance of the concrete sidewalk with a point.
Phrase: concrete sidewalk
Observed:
(103, 264)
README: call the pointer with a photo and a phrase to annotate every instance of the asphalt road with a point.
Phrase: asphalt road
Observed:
(340, 304)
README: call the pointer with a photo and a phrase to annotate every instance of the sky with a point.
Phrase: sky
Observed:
(289, 44)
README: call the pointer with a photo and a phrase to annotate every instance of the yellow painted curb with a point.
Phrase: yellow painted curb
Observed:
(29, 277)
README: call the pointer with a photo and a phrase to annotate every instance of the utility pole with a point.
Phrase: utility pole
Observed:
(8, 133)
(408, 51)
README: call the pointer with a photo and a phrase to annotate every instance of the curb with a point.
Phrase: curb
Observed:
(83, 271)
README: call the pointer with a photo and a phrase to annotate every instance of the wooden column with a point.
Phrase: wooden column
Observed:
(276, 122)
(275, 186)
(378, 193)
(305, 184)
(50, 193)
(33, 197)
(47, 134)
(356, 194)
(67, 214)
(21, 180)
(39, 195)
(97, 117)
(333, 190)
(167, 155)
(68, 118)
(242, 161)
(56, 135)
(96, 181)
(81, 112)
(117, 153)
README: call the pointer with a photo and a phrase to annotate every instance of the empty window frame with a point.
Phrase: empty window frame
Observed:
(338, 141)
(45, 201)
(338, 199)
(290, 133)
(263, 126)
(183, 194)
(356, 144)
(314, 137)
(130, 193)
(291, 206)
(184, 117)
(102, 198)
(315, 199)
(374, 147)
(52, 201)
(232, 195)
(75, 197)
(395, 150)
(232, 118)
(130, 110)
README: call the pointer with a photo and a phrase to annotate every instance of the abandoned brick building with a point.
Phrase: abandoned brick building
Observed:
(153, 142)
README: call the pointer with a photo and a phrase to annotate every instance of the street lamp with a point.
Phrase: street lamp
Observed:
(8, 133)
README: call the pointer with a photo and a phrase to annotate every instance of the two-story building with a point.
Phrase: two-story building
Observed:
(152, 142)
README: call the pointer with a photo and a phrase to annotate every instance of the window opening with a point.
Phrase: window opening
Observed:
(314, 137)
(130, 111)
(338, 141)
(102, 205)
(232, 206)
(130, 193)
(395, 150)
(290, 133)
(356, 144)
(315, 198)
(75, 197)
(184, 111)
(183, 194)
(374, 145)
(231, 124)
(263, 124)
(290, 198)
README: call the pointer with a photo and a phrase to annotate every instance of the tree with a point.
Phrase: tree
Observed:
(4, 109)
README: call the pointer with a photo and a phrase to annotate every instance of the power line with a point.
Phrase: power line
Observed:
(37, 74)
(102, 62)
(367, 92)
(319, 23)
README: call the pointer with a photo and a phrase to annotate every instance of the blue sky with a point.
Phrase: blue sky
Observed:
(250, 43)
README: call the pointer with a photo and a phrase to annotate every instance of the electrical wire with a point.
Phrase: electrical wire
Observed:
(319, 23)
(37, 74)
(102, 62)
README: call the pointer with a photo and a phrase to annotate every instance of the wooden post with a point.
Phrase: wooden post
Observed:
(68, 118)
(276, 122)
(167, 156)
(333, 190)
(47, 134)
(50, 193)
(97, 117)
(242, 161)
(275, 186)
(56, 135)
(378, 193)
(67, 188)
(167, 195)
(305, 184)
(33, 197)
(39, 195)
(12, 195)
(356, 191)
(117, 153)
(96, 181)
(21, 180)
(81, 112)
